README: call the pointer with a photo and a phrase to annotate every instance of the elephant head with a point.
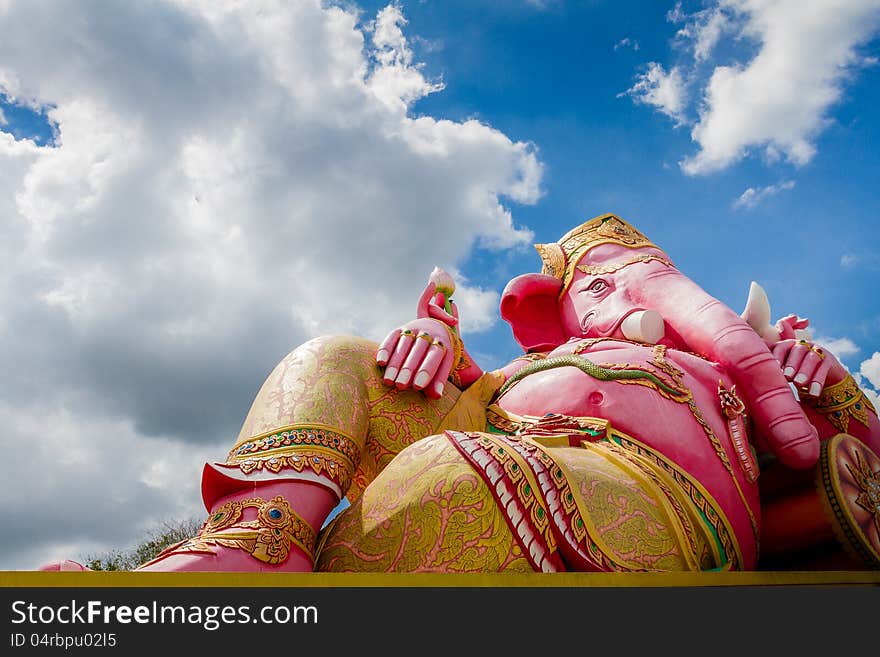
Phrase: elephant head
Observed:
(606, 279)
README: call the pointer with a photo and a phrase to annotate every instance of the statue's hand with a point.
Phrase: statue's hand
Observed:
(807, 365)
(420, 353)
(424, 352)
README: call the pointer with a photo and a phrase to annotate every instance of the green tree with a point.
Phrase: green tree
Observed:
(171, 532)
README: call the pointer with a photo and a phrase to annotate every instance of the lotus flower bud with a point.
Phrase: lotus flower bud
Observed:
(442, 282)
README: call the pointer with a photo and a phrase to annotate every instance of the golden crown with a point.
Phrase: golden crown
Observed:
(560, 258)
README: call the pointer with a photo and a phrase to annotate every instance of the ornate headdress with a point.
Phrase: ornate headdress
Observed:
(560, 258)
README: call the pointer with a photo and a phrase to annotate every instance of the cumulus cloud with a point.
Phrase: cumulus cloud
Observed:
(703, 29)
(663, 90)
(752, 196)
(396, 81)
(477, 306)
(840, 347)
(227, 181)
(778, 102)
(786, 68)
(868, 377)
(870, 369)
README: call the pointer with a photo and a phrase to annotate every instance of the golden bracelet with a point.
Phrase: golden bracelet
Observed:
(457, 353)
(455, 374)
(842, 401)
(459, 362)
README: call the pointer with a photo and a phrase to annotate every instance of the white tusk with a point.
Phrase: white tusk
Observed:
(757, 313)
(643, 326)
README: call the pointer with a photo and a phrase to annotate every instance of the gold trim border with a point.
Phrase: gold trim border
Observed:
(40, 579)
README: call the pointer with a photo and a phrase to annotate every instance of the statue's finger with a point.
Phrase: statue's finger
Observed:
(401, 350)
(438, 383)
(794, 359)
(808, 366)
(422, 308)
(438, 313)
(817, 381)
(383, 353)
(413, 359)
(427, 371)
(780, 351)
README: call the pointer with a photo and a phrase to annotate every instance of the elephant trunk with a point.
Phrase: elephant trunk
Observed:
(710, 328)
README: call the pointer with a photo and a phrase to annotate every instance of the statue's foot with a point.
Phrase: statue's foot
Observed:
(225, 559)
(252, 528)
(65, 565)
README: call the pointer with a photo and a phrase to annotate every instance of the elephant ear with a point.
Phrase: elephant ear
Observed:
(530, 304)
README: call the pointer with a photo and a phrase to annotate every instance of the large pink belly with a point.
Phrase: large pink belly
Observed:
(640, 411)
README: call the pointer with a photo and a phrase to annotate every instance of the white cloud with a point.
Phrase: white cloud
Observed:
(840, 347)
(228, 181)
(626, 42)
(703, 29)
(752, 197)
(477, 306)
(786, 68)
(868, 378)
(677, 14)
(664, 91)
(870, 369)
(428, 45)
(778, 102)
(873, 396)
(396, 82)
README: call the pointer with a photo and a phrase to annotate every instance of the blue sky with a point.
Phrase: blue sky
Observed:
(554, 74)
(189, 189)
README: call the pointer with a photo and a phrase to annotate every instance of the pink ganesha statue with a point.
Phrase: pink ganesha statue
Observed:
(646, 427)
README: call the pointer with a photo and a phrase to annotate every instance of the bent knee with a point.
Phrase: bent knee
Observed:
(333, 348)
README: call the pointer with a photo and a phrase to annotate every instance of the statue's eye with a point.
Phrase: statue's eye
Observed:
(598, 285)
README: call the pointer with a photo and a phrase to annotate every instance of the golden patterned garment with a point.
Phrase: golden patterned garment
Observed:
(428, 511)
(483, 502)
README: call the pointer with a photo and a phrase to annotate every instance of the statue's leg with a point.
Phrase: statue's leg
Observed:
(428, 511)
(321, 427)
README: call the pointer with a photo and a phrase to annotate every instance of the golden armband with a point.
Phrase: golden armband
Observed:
(460, 360)
(842, 401)
(314, 447)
